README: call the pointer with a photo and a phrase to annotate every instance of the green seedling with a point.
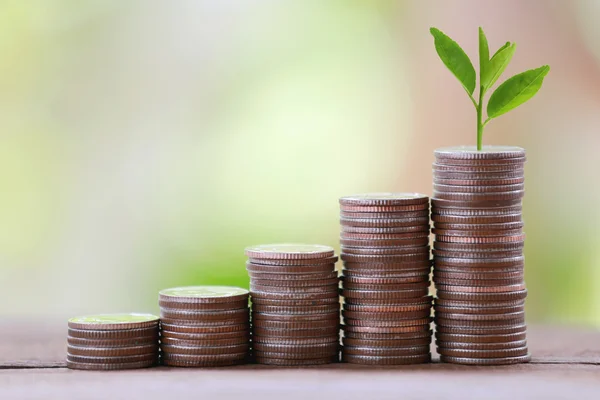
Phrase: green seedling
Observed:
(510, 94)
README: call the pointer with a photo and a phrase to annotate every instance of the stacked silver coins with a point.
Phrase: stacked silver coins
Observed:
(478, 255)
(295, 304)
(112, 341)
(385, 282)
(204, 326)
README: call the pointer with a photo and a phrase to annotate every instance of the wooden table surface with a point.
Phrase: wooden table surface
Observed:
(566, 365)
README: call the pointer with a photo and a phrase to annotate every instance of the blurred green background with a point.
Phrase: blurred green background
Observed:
(144, 144)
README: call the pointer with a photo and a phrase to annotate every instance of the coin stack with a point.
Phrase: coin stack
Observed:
(112, 341)
(204, 326)
(295, 304)
(478, 255)
(385, 282)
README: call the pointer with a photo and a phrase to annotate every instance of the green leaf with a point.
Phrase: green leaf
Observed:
(455, 59)
(516, 91)
(484, 54)
(501, 48)
(497, 65)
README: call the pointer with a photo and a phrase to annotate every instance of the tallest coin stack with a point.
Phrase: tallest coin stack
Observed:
(478, 255)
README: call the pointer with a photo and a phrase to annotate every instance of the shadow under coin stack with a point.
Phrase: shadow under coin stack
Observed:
(295, 304)
(204, 326)
(478, 255)
(112, 341)
(387, 307)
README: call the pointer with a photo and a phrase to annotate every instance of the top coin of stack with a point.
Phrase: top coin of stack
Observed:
(204, 326)
(385, 282)
(478, 255)
(295, 304)
(112, 341)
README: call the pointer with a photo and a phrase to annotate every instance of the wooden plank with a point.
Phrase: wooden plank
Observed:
(564, 344)
(337, 381)
(32, 343)
(566, 363)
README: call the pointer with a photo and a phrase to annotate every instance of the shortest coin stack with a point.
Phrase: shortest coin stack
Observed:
(112, 341)
(295, 304)
(204, 326)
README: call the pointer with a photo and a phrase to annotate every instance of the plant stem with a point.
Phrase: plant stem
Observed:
(472, 99)
(479, 118)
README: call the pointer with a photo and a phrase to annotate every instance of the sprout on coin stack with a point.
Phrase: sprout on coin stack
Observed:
(112, 341)
(478, 227)
(387, 307)
(478, 255)
(295, 304)
(204, 326)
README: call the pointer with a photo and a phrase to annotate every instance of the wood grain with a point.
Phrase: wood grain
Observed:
(566, 364)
